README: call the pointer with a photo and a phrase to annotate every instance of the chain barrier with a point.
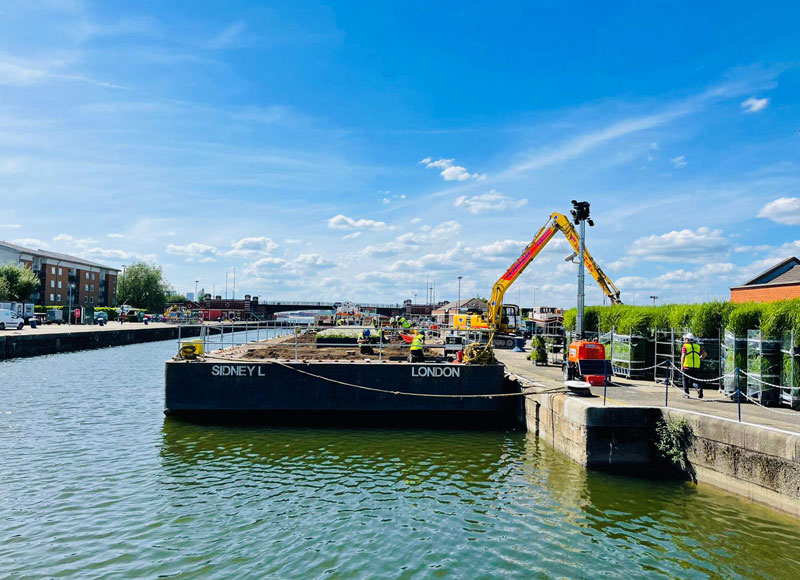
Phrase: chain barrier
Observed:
(755, 378)
(755, 401)
(716, 379)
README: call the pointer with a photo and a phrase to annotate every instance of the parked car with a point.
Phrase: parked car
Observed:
(9, 319)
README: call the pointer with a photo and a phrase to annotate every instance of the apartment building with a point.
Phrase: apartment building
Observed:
(64, 279)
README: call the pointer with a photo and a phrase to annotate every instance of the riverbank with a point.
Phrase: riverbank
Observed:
(758, 458)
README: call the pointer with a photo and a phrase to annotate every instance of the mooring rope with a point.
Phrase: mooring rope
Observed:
(399, 393)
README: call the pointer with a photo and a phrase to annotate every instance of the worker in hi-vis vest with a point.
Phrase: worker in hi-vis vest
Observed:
(416, 354)
(691, 355)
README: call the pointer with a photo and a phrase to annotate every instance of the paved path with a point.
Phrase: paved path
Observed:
(650, 394)
(74, 328)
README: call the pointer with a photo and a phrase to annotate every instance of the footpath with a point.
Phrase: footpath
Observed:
(628, 392)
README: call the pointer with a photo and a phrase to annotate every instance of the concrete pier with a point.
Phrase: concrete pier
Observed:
(54, 339)
(758, 459)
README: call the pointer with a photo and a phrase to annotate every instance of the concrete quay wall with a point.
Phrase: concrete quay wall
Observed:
(759, 463)
(31, 344)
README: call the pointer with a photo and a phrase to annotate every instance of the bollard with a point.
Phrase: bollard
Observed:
(738, 395)
(605, 387)
(666, 387)
(32, 323)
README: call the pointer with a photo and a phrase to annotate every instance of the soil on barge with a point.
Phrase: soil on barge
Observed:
(309, 350)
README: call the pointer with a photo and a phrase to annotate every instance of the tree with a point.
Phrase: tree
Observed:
(175, 297)
(17, 282)
(143, 286)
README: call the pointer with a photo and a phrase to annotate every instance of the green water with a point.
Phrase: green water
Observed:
(96, 483)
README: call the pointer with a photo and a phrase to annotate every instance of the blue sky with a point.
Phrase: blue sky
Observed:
(352, 150)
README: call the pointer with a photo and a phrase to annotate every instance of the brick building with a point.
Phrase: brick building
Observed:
(780, 282)
(62, 276)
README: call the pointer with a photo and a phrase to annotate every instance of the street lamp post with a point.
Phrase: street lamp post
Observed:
(195, 290)
(654, 299)
(69, 314)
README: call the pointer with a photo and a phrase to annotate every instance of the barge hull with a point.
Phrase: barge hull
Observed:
(322, 392)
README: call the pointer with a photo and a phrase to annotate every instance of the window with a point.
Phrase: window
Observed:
(91, 287)
(59, 284)
(87, 287)
(58, 298)
(52, 269)
(51, 298)
(85, 299)
(87, 275)
(93, 275)
(52, 283)
(91, 300)
(60, 272)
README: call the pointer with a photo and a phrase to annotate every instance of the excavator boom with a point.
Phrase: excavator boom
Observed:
(557, 222)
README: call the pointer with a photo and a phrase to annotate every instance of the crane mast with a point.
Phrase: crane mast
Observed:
(557, 222)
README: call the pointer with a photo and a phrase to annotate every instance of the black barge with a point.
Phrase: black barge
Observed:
(342, 392)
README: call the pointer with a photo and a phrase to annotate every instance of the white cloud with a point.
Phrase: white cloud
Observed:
(271, 266)
(679, 161)
(73, 241)
(413, 241)
(341, 222)
(784, 210)
(451, 172)
(351, 236)
(194, 252)
(33, 243)
(492, 200)
(251, 246)
(685, 245)
(290, 241)
(116, 236)
(11, 226)
(228, 37)
(316, 260)
(118, 255)
(10, 166)
(386, 200)
(753, 105)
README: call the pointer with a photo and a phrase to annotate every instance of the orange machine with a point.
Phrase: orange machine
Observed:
(587, 362)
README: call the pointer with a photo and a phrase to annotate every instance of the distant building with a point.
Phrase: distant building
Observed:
(444, 312)
(780, 282)
(62, 277)
(190, 296)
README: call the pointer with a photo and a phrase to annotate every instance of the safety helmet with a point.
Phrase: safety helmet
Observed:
(689, 336)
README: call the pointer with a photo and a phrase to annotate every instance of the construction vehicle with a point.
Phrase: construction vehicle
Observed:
(503, 320)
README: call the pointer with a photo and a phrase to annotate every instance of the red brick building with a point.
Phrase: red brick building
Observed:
(781, 282)
(64, 278)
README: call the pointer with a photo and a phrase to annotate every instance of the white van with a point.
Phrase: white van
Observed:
(9, 319)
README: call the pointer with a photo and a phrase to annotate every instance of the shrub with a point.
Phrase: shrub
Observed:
(710, 318)
(744, 317)
(673, 440)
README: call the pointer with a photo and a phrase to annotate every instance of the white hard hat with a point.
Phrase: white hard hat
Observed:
(689, 336)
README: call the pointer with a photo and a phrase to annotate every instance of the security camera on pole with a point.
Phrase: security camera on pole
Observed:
(580, 215)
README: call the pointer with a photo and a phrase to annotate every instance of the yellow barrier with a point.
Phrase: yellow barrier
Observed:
(191, 348)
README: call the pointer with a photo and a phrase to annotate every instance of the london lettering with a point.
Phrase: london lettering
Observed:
(435, 372)
(237, 371)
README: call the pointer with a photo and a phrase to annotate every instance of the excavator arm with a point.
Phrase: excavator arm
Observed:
(557, 222)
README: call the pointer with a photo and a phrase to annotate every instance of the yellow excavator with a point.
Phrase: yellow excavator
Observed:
(502, 320)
